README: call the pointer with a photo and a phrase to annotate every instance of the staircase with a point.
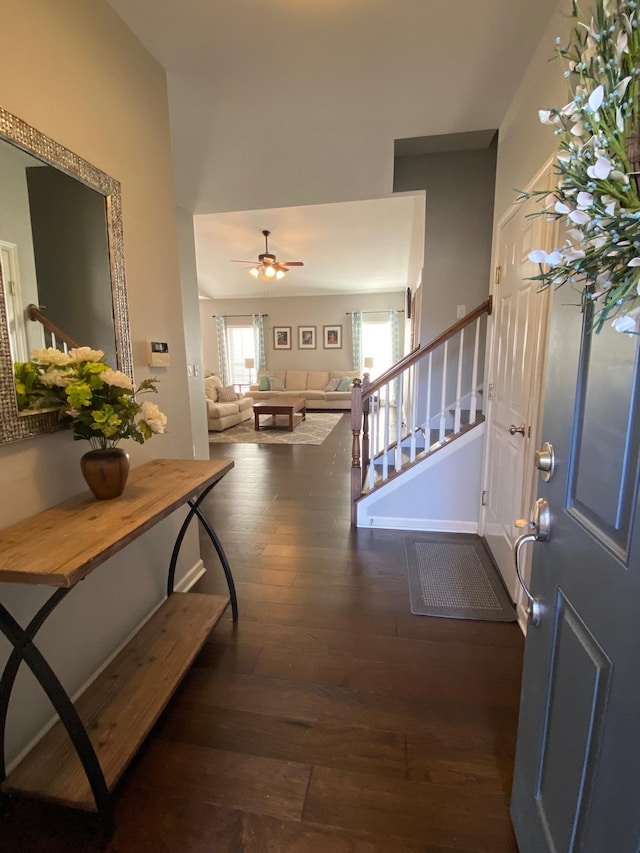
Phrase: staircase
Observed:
(428, 400)
(54, 336)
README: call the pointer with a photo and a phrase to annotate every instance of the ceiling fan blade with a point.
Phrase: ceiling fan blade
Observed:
(242, 262)
(292, 263)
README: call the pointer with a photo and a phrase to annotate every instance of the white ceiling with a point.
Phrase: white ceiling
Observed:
(282, 103)
(358, 246)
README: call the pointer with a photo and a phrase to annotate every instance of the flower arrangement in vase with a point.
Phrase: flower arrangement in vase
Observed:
(99, 404)
(597, 196)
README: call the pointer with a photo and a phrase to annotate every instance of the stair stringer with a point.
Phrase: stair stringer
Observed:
(440, 493)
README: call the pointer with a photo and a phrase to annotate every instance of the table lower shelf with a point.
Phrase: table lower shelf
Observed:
(120, 707)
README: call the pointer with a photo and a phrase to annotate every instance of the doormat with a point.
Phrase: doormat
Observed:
(313, 430)
(456, 580)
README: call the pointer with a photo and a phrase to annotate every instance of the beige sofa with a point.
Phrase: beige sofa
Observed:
(309, 385)
(222, 415)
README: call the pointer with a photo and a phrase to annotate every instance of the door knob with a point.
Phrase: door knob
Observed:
(513, 429)
(539, 529)
(546, 461)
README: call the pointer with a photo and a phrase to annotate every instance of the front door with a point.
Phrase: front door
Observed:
(520, 320)
(577, 772)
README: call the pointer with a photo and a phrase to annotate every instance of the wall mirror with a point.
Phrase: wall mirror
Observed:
(60, 248)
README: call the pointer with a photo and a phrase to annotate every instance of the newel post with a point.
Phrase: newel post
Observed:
(356, 426)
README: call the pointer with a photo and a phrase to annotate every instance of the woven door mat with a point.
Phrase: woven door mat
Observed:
(456, 580)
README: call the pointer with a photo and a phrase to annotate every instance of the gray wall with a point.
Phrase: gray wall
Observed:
(69, 227)
(299, 311)
(460, 190)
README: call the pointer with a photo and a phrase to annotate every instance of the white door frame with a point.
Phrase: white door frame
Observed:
(543, 178)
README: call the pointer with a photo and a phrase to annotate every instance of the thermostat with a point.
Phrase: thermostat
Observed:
(158, 353)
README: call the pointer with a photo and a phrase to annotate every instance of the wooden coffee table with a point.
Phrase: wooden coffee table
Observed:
(276, 406)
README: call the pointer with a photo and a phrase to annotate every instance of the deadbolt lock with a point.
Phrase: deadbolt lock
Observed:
(546, 461)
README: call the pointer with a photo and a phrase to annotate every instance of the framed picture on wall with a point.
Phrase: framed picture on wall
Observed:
(332, 337)
(282, 337)
(306, 337)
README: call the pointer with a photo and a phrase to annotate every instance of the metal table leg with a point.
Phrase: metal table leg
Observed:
(194, 509)
(25, 650)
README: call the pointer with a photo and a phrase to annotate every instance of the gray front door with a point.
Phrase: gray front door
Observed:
(577, 772)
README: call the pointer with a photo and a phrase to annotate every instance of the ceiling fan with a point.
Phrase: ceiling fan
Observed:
(268, 266)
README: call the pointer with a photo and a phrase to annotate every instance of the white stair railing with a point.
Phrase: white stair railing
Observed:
(446, 370)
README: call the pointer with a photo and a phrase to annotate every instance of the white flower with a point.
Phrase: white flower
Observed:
(573, 254)
(153, 417)
(601, 170)
(622, 46)
(51, 355)
(584, 199)
(539, 256)
(117, 378)
(85, 354)
(579, 217)
(596, 98)
(621, 88)
(561, 207)
(60, 378)
(545, 117)
(569, 109)
(626, 323)
(634, 262)
(578, 129)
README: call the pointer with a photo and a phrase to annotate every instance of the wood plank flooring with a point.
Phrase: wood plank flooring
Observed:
(329, 719)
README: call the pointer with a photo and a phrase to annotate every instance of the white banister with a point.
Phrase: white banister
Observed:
(443, 395)
(473, 402)
(399, 410)
(458, 404)
(385, 441)
(427, 435)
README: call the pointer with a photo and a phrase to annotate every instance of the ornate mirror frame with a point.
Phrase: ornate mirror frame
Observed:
(15, 426)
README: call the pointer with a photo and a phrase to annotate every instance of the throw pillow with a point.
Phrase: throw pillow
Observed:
(227, 394)
(345, 384)
(332, 385)
(276, 384)
(264, 385)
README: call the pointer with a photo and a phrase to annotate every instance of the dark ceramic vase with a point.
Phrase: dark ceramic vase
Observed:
(105, 472)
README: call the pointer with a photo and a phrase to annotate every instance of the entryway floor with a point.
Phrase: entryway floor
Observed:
(329, 719)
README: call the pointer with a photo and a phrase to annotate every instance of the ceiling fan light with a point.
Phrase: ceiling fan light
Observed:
(269, 272)
(254, 271)
(280, 274)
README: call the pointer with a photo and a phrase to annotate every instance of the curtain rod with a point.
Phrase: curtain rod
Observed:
(228, 316)
(381, 311)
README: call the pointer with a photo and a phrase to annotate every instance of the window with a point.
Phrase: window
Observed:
(376, 344)
(240, 346)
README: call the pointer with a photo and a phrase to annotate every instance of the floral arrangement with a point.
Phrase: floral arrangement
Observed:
(100, 404)
(597, 195)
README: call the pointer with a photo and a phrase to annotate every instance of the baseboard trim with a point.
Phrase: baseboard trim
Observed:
(428, 525)
(184, 585)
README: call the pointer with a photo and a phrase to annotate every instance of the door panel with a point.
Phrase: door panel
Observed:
(577, 772)
(519, 310)
(578, 682)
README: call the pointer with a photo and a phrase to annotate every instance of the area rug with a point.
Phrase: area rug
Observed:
(455, 579)
(313, 430)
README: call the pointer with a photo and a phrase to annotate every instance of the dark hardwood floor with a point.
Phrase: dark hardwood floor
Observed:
(329, 719)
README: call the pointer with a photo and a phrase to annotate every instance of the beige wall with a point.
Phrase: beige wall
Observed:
(524, 144)
(74, 71)
(315, 311)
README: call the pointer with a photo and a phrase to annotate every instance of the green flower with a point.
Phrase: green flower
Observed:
(98, 403)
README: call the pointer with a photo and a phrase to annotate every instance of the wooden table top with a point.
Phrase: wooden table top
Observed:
(62, 545)
(279, 405)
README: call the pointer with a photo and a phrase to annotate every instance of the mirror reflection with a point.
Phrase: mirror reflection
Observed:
(61, 263)
(54, 254)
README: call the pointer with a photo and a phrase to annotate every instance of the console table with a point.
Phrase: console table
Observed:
(107, 724)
